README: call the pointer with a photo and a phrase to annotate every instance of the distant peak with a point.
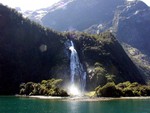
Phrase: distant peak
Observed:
(136, 2)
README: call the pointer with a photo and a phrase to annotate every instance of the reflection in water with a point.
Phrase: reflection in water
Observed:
(113, 106)
(28, 105)
(73, 107)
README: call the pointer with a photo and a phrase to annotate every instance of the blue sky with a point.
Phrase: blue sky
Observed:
(35, 4)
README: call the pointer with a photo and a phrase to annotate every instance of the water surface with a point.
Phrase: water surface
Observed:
(30, 105)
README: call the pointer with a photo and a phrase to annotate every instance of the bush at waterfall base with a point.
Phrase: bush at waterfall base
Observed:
(108, 90)
(125, 89)
(46, 87)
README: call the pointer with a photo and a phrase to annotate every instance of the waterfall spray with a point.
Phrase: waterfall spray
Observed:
(77, 73)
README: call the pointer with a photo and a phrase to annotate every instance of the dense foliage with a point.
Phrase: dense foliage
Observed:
(125, 89)
(46, 87)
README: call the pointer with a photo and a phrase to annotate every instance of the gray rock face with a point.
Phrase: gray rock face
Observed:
(140, 59)
(37, 15)
(76, 14)
(131, 25)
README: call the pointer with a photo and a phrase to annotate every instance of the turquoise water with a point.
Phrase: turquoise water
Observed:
(28, 105)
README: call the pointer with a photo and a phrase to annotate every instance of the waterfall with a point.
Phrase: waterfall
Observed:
(77, 73)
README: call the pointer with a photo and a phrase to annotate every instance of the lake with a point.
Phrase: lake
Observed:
(14, 104)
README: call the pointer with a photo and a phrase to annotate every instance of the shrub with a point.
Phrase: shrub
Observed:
(127, 92)
(126, 89)
(109, 90)
(46, 87)
(100, 75)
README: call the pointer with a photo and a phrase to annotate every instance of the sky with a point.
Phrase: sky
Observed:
(36, 4)
(28, 4)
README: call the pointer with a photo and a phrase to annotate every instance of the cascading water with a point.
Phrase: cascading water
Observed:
(78, 75)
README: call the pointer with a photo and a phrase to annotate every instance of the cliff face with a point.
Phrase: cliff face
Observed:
(105, 59)
(30, 52)
(80, 14)
(131, 25)
(129, 21)
(140, 59)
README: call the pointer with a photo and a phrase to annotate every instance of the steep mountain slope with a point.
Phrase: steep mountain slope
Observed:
(140, 59)
(37, 15)
(105, 59)
(131, 25)
(80, 14)
(30, 52)
(27, 51)
(128, 20)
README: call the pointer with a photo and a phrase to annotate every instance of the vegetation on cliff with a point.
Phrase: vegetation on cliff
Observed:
(105, 60)
(28, 51)
(141, 60)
